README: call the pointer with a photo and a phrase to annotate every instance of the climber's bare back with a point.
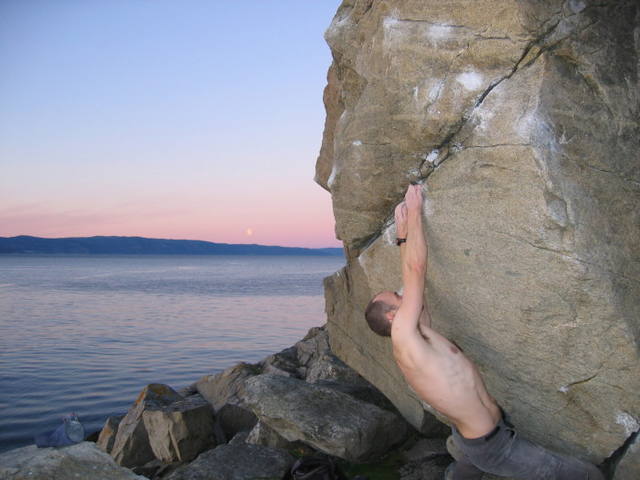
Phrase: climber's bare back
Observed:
(446, 379)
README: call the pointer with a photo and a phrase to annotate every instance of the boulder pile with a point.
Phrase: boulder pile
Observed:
(253, 420)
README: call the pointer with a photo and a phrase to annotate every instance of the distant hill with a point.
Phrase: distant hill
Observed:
(145, 246)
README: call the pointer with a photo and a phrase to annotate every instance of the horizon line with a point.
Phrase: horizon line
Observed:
(174, 240)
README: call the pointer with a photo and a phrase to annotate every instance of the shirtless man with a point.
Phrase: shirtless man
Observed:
(438, 371)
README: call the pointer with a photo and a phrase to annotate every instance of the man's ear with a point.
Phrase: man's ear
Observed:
(390, 315)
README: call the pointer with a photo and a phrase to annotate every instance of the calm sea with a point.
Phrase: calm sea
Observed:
(87, 333)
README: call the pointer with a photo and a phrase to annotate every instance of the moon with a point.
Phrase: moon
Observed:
(248, 232)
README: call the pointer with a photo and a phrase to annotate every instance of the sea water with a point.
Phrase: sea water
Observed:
(86, 333)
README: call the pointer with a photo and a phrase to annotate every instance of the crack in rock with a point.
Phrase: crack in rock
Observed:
(610, 464)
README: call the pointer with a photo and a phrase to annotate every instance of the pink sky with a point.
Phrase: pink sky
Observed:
(158, 119)
(267, 215)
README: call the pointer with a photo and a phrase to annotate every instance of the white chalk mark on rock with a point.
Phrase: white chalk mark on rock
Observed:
(629, 423)
(332, 177)
(433, 156)
(470, 80)
(437, 33)
(389, 236)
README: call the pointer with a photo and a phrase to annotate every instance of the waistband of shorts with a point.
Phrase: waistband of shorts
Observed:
(501, 425)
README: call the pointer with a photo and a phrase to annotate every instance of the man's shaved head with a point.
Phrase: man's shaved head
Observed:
(377, 312)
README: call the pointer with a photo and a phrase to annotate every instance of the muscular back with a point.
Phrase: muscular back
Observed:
(442, 376)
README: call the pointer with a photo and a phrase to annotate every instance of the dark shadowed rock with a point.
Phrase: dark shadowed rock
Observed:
(628, 467)
(233, 419)
(108, 433)
(426, 448)
(324, 418)
(236, 462)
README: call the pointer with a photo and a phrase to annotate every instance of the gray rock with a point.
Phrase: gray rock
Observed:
(329, 367)
(236, 462)
(191, 389)
(282, 363)
(264, 435)
(181, 430)
(227, 386)
(108, 433)
(80, 461)
(521, 120)
(131, 445)
(428, 468)
(313, 346)
(324, 418)
(240, 437)
(150, 469)
(362, 391)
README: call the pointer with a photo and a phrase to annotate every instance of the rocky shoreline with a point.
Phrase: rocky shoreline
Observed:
(250, 421)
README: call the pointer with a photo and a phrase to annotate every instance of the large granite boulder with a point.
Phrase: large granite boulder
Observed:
(236, 462)
(107, 435)
(232, 419)
(324, 418)
(80, 461)
(520, 118)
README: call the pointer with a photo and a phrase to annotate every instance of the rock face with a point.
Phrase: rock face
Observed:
(83, 460)
(521, 120)
(324, 418)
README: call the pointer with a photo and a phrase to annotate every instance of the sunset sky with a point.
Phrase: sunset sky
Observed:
(193, 119)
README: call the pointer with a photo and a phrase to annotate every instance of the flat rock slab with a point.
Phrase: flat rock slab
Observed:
(81, 461)
(236, 462)
(326, 419)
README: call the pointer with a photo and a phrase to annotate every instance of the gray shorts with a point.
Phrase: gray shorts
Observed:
(505, 453)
